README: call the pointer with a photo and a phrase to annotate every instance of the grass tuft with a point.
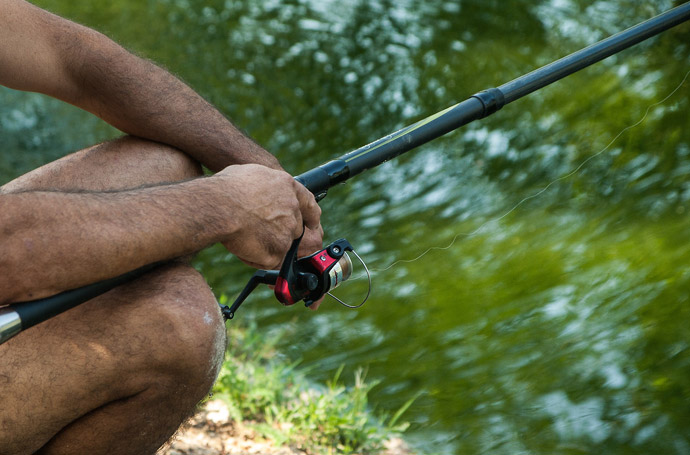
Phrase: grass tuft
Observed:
(281, 404)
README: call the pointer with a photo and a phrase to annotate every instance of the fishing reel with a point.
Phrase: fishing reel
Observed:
(306, 279)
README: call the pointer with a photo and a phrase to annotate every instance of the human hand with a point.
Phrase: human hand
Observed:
(311, 242)
(268, 209)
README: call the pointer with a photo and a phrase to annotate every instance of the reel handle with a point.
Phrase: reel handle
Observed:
(259, 277)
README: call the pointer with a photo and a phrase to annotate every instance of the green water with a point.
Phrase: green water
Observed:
(559, 327)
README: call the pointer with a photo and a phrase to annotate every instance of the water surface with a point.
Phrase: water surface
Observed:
(552, 324)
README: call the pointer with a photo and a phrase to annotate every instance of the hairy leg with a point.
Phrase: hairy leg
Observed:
(117, 374)
(120, 164)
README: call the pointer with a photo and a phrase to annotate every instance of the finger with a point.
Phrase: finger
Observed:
(263, 265)
(299, 228)
(315, 306)
(312, 241)
(256, 254)
(280, 249)
(311, 212)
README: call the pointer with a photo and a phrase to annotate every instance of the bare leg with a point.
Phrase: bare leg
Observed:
(121, 164)
(117, 374)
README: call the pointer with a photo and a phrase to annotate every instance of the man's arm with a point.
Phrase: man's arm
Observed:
(44, 53)
(67, 240)
(51, 242)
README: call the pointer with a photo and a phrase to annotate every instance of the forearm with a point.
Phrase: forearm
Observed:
(67, 240)
(141, 99)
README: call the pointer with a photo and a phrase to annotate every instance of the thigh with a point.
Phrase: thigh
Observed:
(123, 163)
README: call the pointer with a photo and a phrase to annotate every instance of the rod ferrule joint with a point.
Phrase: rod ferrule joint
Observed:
(492, 100)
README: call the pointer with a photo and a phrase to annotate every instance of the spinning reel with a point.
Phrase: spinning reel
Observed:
(307, 279)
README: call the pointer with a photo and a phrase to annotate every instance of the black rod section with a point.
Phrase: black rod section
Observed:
(482, 104)
(524, 85)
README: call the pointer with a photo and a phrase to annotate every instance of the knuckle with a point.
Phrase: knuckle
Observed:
(285, 178)
(293, 207)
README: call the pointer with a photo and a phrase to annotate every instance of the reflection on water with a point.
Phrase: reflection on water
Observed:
(559, 327)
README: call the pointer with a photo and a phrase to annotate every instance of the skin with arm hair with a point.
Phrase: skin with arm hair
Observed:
(68, 240)
(44, 53)
(53, 241)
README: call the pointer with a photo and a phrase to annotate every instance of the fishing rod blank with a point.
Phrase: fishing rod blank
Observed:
(482, 104)
(20, 316)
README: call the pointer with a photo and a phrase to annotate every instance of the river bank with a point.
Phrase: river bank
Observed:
(262, 404)
(210, 432)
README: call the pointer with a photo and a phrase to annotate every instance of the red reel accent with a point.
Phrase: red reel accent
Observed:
(282, 292)
(322, 261)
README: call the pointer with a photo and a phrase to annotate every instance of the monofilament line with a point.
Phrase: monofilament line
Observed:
(541, 191)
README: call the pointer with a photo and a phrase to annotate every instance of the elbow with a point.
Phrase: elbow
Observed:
(6, 260)
(18, 274)
(83, 56)
(5, 287)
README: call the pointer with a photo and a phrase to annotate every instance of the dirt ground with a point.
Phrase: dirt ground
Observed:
(210, 432)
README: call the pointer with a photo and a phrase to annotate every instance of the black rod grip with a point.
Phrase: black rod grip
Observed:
(36, 311)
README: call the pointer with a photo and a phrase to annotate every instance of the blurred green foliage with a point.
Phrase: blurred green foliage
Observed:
(555, 322)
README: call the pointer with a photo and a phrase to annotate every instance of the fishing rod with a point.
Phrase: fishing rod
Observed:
(309, 279)
(483, 104)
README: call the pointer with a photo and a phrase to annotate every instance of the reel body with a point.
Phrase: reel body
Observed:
(311, 277)
(306, 279)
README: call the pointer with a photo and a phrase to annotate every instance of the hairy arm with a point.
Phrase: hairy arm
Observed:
(51, 242)
(44, 53)
(67, 240)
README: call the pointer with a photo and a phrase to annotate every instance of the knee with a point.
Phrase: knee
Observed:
(188, 329)
(169, 163)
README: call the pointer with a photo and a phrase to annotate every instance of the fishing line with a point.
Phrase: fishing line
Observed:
(540, 192)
